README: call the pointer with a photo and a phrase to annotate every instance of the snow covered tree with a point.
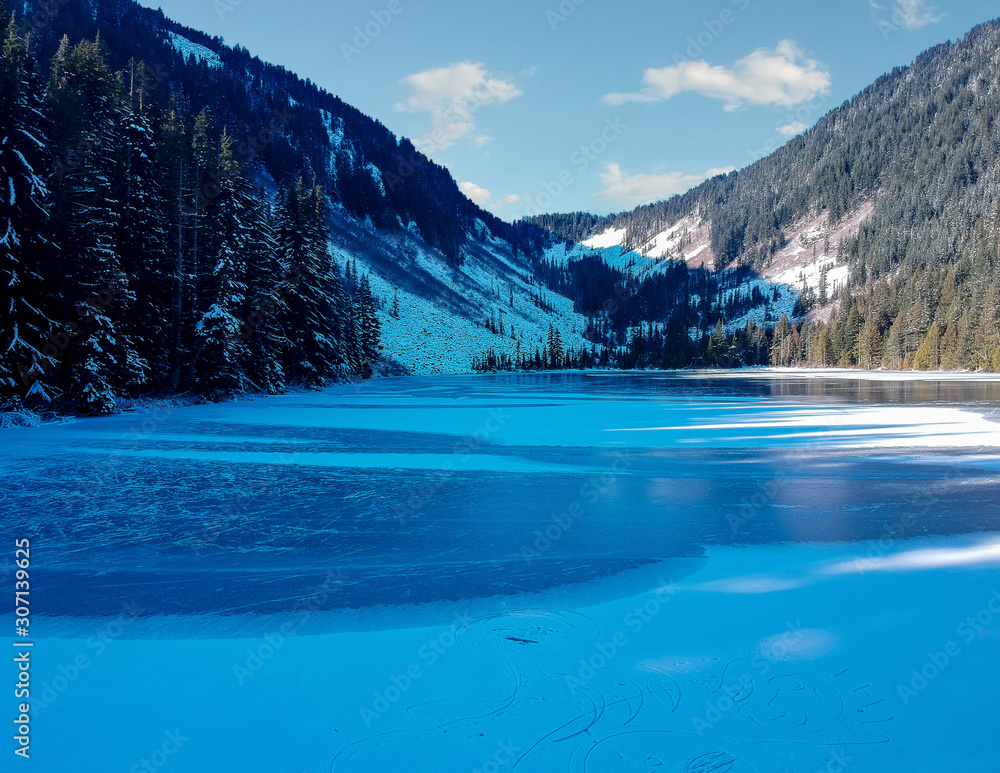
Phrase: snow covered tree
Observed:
(369, 326)
(101, 361)
(310, 290)
(143, 233)
(265, 305)
(26, 357)
(203, 188)
(220, 350)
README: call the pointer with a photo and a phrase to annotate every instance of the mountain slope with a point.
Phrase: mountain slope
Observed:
(201, 216)
(897, 191)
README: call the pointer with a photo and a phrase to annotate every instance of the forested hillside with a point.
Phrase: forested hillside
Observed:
(923, 143)
(165, 223)
(179, 216)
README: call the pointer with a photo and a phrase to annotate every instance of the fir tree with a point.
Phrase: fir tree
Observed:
(265, 305)
(369, 326)
(312, 291)
(101, 361)
(221, 353)
(143, 234)
(27, 358)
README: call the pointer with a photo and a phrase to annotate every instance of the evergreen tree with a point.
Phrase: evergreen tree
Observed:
(221, 353)
(101, 361)
(265, 305)
(369, 326)
(143, 233)
(554, 347)
(173, 166)
(718, 347)
(313, 324)
(27, 358)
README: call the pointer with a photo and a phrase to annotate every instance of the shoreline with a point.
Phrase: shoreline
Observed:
(23, 418)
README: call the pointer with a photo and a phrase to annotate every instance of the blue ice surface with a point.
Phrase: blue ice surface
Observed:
(447, 488)
(233, 587)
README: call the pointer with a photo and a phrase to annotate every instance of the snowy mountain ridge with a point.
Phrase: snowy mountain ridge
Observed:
(437, 317)
(810, 262)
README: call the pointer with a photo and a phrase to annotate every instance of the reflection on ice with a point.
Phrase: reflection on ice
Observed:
(751, 585)
(886, 427)
(440, 489)
(798, 644)
(985, 552)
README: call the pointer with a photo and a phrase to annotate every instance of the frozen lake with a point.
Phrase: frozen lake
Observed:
(581, 572)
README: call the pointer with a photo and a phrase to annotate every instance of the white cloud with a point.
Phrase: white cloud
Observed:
(914, 14)
(791, 129)
(478, 194)
(482, 140)
(511, 198)
(783, 77)
(634, 190)
(452, 95)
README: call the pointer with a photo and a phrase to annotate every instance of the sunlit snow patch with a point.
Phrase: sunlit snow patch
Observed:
(928, 558)
(798, 644)
(190, 48)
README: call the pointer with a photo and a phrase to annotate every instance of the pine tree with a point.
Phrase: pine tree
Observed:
(369, 326)
(221, 353)
(987, 337)
(26, 253)
(870, 344)
(313, 293)
(173, 166)
(718, 346)
(928, 354)
(265, 306)
(555, 347)
(101, 361)
(780, 349)
(204, 188)
(143, 234)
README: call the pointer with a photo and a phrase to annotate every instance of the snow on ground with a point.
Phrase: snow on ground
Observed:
(616, 256)
(434, 337)
(768, 314)
(688, 239)
(864, 375)
(641, 267)
(613, 237)
(810, 253)
(812, 249)
(189, 48)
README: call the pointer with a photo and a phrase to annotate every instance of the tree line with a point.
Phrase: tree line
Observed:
(923, 144)
(142, 255)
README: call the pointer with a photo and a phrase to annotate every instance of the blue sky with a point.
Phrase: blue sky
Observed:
(595, 105)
